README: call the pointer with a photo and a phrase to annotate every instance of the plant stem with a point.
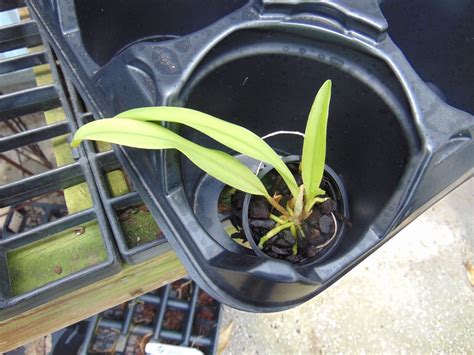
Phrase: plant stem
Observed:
(316, 200)
(293, 231)
(274, 232)
(276, 205)
(295, 247)
(300, 229)
(299, 204)
(295, 237)
(277, 219)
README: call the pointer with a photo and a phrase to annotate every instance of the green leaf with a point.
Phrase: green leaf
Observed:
(314, 146)
(231, 135)
(147, 135)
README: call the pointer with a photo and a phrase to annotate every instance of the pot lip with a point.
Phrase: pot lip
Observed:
(339, 227)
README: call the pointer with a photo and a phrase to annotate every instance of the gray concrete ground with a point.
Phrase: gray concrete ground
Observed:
(412, 295)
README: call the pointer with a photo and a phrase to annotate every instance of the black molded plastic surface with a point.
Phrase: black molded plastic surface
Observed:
(441, 55)
(397, 146)
(156, 20)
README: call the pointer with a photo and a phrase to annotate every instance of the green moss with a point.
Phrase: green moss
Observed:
(139, 227)
(78, 198)
(102, 146)
(50, 259)
(116, 183)
(62, 151)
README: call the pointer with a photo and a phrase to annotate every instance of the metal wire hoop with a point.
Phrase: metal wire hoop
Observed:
(273, 134)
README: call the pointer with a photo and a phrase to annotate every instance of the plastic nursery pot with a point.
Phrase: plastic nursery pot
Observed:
(335, 190)
(395, 143)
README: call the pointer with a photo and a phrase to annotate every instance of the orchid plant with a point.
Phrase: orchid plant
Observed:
(141, 128)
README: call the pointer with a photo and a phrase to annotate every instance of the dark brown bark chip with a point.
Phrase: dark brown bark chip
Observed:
(303, 244)
(325, 224)
(262, 223)
(328, 207)
(280, 251)
(259, 209)
(313, 234)
(313, 219)
(288, 237)
(281, 243)
(311, 252)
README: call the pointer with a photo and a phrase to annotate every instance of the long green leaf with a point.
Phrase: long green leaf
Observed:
(147, 135)
(231, 135)
(314, 146)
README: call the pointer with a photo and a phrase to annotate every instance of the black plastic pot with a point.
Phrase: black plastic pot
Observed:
(396, 144)
(335, 190)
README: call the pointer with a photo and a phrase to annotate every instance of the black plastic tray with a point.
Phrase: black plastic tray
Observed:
(397, 146)
(26, 101)
(440, 54)
(114, 329)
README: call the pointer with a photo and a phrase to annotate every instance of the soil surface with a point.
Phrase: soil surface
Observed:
(317, 230)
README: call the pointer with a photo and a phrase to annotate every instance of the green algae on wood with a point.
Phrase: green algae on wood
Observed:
(55, 257)
(77, 197)
(139, 226)
(116, 183)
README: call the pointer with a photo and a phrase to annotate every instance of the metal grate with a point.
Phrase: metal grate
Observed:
(28, 189)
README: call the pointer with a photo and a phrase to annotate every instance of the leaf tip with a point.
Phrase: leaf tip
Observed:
(327, 84)
(75, 143)
(76, 140)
